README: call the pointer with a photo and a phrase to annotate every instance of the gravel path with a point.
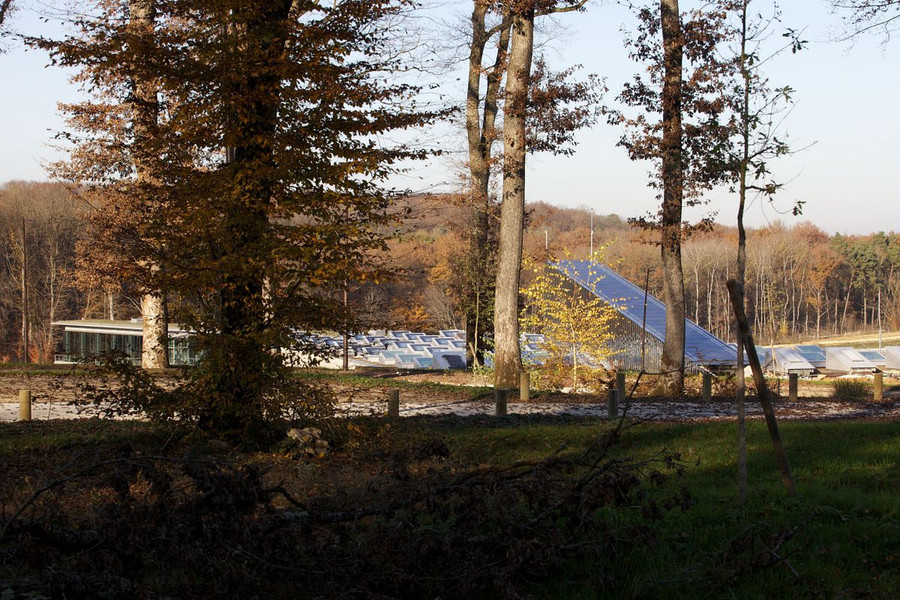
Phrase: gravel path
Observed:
(643, 410)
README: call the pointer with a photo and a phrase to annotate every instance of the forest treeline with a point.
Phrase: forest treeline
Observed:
(801, 281)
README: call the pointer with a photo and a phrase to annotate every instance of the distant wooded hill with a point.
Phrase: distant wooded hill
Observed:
(800, 280)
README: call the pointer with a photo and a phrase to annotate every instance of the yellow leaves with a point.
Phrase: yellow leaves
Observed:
(576, 324)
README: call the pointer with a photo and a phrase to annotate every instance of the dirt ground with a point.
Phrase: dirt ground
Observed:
(59, 385)
(54, 389)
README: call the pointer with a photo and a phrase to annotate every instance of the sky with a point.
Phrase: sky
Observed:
(846, 116)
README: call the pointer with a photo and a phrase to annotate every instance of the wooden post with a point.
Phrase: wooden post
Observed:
(792, 387)
(621, 392)
(612, 404)
(524, 386)
(878, 392)
(393, 403)
(500, 401)
(24, 405)
(736, 293)
(707, 388)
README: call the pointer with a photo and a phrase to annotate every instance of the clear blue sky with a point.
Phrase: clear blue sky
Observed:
(846, 107)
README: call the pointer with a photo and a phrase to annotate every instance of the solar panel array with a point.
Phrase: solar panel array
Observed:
(875, 357)
(847, 359)
(701, 346)
(399, 349)
(815, 355)
(534, 353)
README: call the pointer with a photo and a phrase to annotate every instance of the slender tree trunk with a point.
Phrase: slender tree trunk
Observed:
(507, 355)
(697, 295)
(26, 343)
(761, 387)
(673, 190)
(846, 305)
(740, 389)
(818, 314)
(52, 302)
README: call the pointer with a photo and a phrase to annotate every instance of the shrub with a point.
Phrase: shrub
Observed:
(117, 387)
(851, 389)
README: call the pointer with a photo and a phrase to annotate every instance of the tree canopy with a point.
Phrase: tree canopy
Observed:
(264, 168)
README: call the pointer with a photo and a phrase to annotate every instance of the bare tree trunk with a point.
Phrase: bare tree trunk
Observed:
(819, 314)
(480, 134)
(145, 114)
(507, 355)
(155, 348)
(846, 305)
(762, 389)
(673, 189)
(26, 343)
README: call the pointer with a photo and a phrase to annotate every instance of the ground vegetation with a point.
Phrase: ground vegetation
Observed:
(495, 508)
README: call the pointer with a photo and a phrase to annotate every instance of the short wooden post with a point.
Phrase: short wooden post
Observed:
(792, 386)
(707, 388)
(878, 392)
(393, 403)
(621, 392)
(524, 386)
(24, 405)
(612, 404)
(500, 396)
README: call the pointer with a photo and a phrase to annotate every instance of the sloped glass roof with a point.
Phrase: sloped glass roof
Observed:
(700, 346)
(873, 356)
(814, 354)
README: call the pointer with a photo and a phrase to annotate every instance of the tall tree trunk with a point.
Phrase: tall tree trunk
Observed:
(740, 388)
(155, 345)
(25, 308)
(673, 190)
(145, 114)
(480, 133)
(507, 355)
(241, 359)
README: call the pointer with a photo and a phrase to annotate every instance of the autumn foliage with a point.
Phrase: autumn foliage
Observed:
(257, 187)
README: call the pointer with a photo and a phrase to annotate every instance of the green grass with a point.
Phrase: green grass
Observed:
(845, 518)
(846, 512)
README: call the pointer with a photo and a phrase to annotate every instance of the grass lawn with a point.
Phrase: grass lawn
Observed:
(465, 521)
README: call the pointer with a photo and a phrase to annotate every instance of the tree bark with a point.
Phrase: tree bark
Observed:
(507, 355)
(145, 114)
(241, 355)
(480, 133)
(673, 189)
(26, 343)
(740, 389)
(762, 388)
(155, 346)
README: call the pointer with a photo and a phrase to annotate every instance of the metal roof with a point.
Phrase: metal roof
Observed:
(700, 346)
(133, 327)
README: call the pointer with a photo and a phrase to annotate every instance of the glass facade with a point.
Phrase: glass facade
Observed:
(81, 342)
